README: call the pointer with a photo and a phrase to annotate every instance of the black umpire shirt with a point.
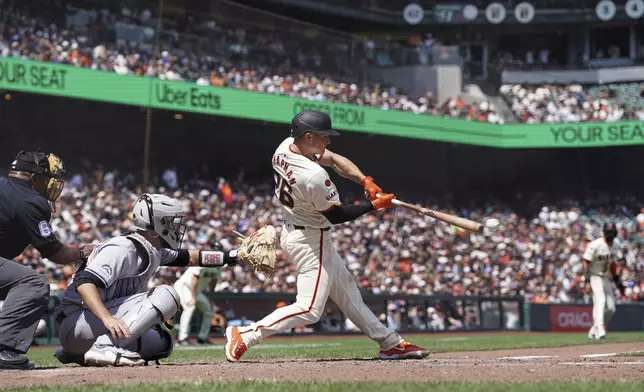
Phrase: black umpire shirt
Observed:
(24, 220)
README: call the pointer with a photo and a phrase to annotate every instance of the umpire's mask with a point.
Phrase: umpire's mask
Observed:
(44, 164)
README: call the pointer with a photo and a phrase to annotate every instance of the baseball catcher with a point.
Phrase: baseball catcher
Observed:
(107, 316)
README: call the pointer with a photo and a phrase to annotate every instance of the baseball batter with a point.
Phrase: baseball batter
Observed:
(597, 262)
(106, 316)
(310, 206)
(191, 287)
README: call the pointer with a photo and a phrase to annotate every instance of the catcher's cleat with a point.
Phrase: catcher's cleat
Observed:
(107, 355)
(258, 250)
(404, 350)
(235, 346)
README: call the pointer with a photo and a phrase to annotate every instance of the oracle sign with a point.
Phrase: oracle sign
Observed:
(571, 318)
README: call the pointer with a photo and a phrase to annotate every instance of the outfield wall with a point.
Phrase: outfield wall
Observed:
(459, 314)
(579, 318)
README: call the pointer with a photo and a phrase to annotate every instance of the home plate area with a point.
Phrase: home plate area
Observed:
(589, 362)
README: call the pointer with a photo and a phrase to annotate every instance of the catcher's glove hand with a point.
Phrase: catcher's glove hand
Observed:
(258, 250)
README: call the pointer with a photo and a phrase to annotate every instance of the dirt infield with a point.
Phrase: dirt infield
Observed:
(569, 363)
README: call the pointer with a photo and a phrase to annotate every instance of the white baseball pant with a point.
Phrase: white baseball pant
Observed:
(603, 300)
(321, 273)
(202, 303)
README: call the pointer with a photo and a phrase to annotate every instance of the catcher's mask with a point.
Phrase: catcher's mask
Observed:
(161, 214)
(44, 164)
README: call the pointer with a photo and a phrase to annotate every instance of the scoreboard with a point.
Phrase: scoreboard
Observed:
(525, 12)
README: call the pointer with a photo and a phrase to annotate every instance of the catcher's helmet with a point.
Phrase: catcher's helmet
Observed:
(311, 121)
(610, 231)
(162, 215)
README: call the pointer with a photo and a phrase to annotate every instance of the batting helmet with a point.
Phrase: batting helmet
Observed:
(311, 121)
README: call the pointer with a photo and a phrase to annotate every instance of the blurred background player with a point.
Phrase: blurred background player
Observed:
(598, 258)
(26, 200)
(191, 287)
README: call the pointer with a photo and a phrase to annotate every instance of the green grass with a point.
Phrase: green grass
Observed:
(256, 386)
(362, 347)
(631, 354)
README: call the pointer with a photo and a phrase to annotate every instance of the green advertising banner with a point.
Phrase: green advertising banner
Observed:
(82, 83)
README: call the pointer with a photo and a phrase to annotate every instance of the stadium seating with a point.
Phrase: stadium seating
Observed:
(538, 257)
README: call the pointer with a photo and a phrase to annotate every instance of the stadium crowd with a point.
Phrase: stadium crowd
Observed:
(396, 251)
(575, 103)
(272, 63)
(276, 63)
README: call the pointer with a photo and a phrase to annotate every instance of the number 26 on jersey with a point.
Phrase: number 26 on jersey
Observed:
(283, 190)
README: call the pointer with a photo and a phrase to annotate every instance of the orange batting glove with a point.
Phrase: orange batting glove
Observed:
(384, 201)
(370, 188)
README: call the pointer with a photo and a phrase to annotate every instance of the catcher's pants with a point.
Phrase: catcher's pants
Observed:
(603, 300)
(78, 328)
(204, 306)
(321, 273)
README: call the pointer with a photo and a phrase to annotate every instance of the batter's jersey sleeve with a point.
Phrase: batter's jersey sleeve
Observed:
(35, 224)
(589, 253)
(114, 261)
(321, 192)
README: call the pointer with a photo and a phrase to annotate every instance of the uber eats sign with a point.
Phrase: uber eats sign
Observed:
(67, 81)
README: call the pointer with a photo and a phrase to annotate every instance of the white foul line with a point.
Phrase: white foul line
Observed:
(598, 355)
(265, 346)
(532, 357)
(602, 363)
(455, 339)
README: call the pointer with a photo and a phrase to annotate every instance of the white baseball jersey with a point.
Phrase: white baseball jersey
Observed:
(599, 255)
(302, 187)
(117, 264)
(206, 276)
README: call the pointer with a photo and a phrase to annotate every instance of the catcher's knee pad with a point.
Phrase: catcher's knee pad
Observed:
(159, 305)
(166, 300)
(155, 344)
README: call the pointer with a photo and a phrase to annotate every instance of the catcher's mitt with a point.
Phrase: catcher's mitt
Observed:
(258, 250)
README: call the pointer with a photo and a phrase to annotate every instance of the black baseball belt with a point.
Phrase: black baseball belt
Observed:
(298, 227)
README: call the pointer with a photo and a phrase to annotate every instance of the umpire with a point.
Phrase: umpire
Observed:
(26, 201)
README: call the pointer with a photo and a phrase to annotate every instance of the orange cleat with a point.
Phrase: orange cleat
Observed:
(404, 350)
(235, 346)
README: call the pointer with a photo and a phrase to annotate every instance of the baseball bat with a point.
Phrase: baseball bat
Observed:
(441, 216)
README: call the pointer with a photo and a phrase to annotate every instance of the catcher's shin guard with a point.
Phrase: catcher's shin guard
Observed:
(147, 340)
(161, 303)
